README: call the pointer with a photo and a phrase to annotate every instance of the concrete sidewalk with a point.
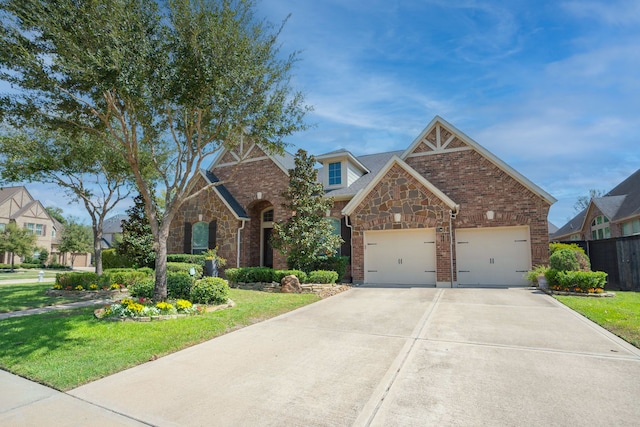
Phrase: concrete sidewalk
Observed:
(378, 356)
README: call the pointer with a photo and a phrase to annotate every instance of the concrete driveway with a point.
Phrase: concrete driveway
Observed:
(380, 356)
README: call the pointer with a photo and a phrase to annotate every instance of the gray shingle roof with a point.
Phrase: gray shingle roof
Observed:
(114, 224)
(571, 227)
(227, 196)
(373, 162)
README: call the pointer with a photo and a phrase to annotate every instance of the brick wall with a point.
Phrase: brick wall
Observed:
(478, 186)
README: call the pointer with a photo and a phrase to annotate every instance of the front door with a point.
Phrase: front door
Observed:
(267, 250)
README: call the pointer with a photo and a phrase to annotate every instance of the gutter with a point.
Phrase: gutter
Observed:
(239, 240)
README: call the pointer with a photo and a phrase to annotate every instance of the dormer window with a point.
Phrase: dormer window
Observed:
(600, 228)
(335, 173)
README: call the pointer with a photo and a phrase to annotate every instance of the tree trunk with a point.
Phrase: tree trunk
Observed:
(97, 251)
(160, 290)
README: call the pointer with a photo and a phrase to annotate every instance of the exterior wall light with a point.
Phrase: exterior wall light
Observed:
(397, 217)
(200, 217)
(259, 195)
(490, 215)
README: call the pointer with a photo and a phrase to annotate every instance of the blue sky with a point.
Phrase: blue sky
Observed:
(550, 87)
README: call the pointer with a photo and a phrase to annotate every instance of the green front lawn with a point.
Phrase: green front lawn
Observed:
(620, 314)
(14, 297)
(28, 274)
(66, 349)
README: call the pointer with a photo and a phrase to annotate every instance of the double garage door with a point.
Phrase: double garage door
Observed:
(406, 257)
(493, 256)
(497, 256)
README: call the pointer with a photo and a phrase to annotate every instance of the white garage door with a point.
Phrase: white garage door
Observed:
(493, 256)
(405, 257)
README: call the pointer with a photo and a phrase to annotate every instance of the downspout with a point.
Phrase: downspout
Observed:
(452, 215)
(346, 222)
(239, 240)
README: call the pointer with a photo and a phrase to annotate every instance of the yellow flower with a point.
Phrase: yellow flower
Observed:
(183, 303)
(93, 286)
(79, 288)
(57, 286)
(164, 306)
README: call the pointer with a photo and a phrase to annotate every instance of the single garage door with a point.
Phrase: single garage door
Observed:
(405, 257)
(493, 256)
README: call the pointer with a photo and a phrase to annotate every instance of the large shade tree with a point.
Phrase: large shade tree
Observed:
(166, 84)
(88, 170)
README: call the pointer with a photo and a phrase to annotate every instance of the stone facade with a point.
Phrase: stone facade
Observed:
(400, 193)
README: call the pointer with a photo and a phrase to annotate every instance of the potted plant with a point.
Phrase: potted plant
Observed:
(213, 261)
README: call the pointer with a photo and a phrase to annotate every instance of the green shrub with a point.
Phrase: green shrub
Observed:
(184, 267)
(581, 281)
(564, 260)
(122, 276)
(551, 275)
(55, 266)
(278, 275)
(323, 276)
(75, 279)
(143, 289)
(5, 266)
(147, 270)
(179, 285)
(111, 259)
(532, 275)
(232, 274)
(333, 263)
(553, 247)
(28, 265)
(210, 290)
(186, 258)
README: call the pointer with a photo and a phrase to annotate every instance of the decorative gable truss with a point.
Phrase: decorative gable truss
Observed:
(245, 153)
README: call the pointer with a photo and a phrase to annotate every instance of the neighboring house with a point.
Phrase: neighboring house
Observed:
(77, 260)
(17, 205)
(616, 214)
(443, 212)
(112, 230)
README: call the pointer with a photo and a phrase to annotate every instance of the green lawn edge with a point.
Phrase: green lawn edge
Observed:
(619, 315)
(67, 348)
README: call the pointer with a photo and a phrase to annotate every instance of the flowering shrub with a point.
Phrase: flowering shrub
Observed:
(93, 287)
(115, 286)
(57, 286)
(79, 288)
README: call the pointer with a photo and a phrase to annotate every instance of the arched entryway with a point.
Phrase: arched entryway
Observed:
(266, 227)
(257, 241)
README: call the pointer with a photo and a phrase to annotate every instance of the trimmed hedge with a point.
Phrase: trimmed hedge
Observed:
(179, 285)
(581, 281)
(75, 279)
(333, 263)
(250, 274)
(123, 276)
(111, 259)
(210, 290)
(184, 267)
(143, 289)
(27, 265)
(186, 258)
(323, 276)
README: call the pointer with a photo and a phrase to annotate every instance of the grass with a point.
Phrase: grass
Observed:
(14, 297)
(619, 315)
(66, 349)
(29, 274)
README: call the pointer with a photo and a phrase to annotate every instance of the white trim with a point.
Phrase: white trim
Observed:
(215, 163)
(437, 120)
(357, 199)
(434, 152)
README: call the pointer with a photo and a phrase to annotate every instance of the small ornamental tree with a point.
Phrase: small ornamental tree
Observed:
(307, 234)
(17, 241)
(76, 238)
(137, 238)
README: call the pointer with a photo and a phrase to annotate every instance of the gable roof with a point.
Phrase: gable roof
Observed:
(8, 192)
(395, 160)
(437, 120)
(283, 160)
(225, 195)
(342, 153)
(374, 163)
(619, 204)
(113, 224)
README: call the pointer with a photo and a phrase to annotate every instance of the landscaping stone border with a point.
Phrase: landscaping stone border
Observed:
(322, 290)
(578, 294)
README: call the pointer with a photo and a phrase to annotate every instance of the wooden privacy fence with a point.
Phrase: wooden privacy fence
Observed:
(619, 257)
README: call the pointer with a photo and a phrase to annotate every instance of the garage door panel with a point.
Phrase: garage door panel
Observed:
(493, 256)
(400, 257)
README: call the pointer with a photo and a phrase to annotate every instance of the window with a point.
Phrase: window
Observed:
(600, 228)
(335, 173)
(631, 227)
(37, 229)
(267, 216)
(200, 237)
